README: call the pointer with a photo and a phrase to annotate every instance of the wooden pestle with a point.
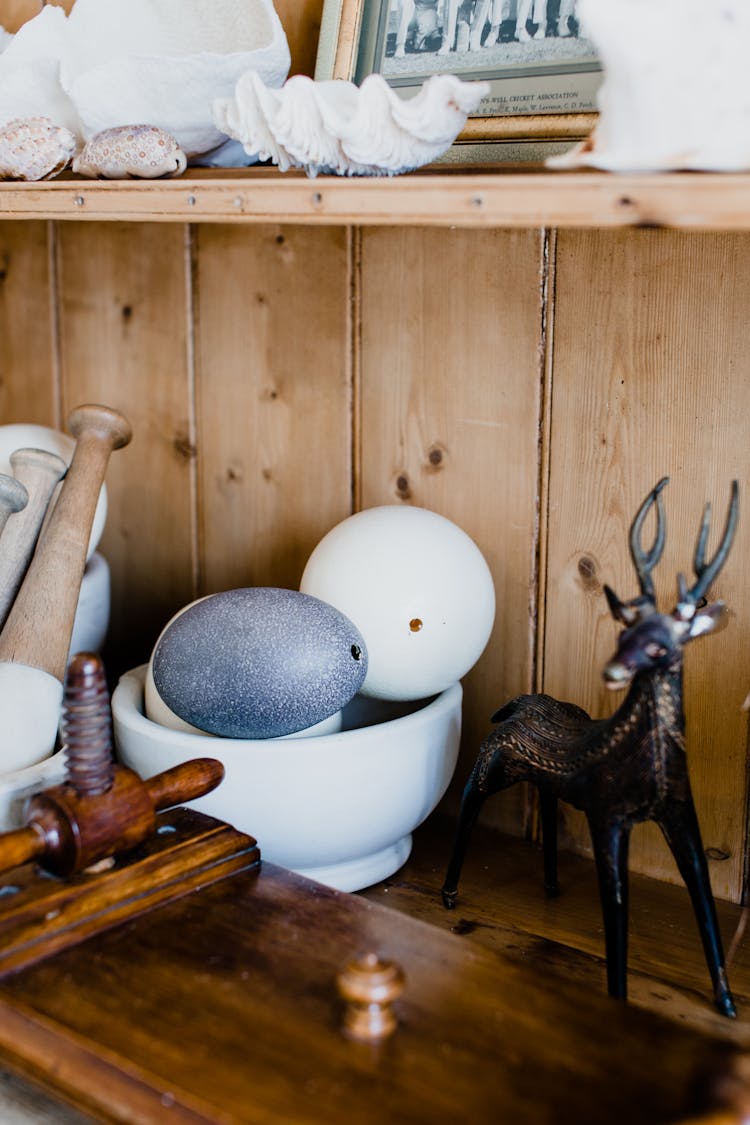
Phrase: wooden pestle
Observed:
(39, 626)
(39, 472)
(13, 498)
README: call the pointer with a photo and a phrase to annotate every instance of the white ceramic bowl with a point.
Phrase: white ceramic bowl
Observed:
(28, 728)
(339, 808)
(20, 435)
(92, 613)
(19, 784)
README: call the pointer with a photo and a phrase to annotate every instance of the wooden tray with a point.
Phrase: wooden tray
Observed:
(191, 983)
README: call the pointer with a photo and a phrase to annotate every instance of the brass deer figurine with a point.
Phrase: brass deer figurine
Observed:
(625, 769)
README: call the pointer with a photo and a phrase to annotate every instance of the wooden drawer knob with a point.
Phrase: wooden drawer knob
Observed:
(369, 986)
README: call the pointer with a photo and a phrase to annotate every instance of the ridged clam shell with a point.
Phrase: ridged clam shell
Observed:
(32, 148)
(142, 151)
(349, 130)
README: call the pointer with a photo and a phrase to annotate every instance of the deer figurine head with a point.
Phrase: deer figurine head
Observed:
(628, 768)
(651, 639)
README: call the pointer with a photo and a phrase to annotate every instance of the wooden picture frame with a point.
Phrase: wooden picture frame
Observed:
(357, 38)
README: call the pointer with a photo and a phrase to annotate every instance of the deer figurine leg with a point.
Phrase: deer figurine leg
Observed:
(679, 823)
(471, 804)
(610, 842)
(548, 817)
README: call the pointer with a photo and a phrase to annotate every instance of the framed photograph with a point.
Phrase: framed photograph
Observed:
(543, 74)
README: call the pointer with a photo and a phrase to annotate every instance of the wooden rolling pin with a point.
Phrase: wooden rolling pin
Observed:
(39, 472)
(35, 641)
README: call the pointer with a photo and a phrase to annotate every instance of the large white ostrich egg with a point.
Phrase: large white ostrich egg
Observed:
(418, 589)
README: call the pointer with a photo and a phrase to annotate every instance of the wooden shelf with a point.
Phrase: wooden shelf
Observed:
(502, 907)
(527, 196)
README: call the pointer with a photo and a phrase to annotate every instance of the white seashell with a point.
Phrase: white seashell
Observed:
(34, 149)
(5, 39)
(113, 62)
(142, 151)
(338, 127)
(675, 93)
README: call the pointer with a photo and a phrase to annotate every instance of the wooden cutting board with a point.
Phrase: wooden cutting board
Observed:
(192, 983)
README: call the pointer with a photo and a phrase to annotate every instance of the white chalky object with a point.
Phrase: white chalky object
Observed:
(675, 93)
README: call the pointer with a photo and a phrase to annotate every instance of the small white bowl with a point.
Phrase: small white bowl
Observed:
(19, 784)
(93, 610)
(28, 435)
(339, 808)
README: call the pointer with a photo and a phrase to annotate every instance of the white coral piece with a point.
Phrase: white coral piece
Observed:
(338, 127)
(118, 62)
(30, 72)
(34, 149)
(675, 92)
(141, 151)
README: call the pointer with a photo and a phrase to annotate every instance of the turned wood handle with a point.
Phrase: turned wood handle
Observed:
(13, 498)
(20, 846)
(66, 831)
(38, 471)
(39, 625)
(369, 985)
(185, 782)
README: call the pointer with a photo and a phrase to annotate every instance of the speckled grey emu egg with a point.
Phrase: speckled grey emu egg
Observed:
(258, 662)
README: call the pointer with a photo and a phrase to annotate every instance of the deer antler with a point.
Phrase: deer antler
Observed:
(645, 561)
(706, 572)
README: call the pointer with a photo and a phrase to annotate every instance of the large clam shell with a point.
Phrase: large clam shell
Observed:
(345, 129)
(33, 148)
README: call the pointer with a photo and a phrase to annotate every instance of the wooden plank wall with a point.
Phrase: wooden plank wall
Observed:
(278, 378)
(651, 366)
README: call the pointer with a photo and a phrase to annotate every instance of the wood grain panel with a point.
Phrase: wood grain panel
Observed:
(651, 367)
(450, 401)
(253, 960)
(14, 13)
(27, 383)
(301, 22)
(124, 342)
(273, 398)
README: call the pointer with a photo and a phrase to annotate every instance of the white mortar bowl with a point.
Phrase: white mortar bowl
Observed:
(18, 785)
(339, 808)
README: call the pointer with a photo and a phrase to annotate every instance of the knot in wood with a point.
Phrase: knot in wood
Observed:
(369, 986)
